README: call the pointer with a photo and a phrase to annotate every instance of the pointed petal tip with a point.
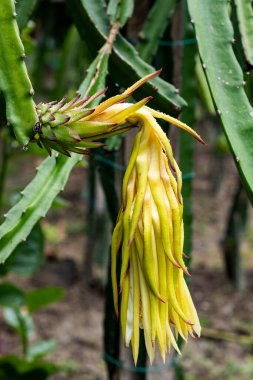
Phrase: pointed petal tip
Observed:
(161, 299)
(156, 73)
(200, 140)
(185, 270)
(148, 98)
(197, 330)
(176, 264)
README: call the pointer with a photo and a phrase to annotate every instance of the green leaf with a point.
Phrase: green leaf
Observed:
(41, 348)
(126, 65)
(39, 298)
(154, 27)
(28, 256)
(245, 18)
(11, 296)
(20, 320)
(36, 200)
(17, 368)
(215, 35)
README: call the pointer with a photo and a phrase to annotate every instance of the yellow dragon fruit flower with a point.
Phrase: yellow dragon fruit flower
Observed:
(149, 231)
(150, 234)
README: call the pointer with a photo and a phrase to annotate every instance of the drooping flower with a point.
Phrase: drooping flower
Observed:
(149, 231)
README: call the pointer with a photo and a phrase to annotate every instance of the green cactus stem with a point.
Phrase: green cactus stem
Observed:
(14, 79)
(154, 28)
(245, 19)
(215, 37)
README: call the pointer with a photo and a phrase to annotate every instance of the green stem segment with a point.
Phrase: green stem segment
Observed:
(245, 19)
(14, 79)
(215, 37)
(154, 28)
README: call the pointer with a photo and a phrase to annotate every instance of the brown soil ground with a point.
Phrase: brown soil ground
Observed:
(225, 350)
